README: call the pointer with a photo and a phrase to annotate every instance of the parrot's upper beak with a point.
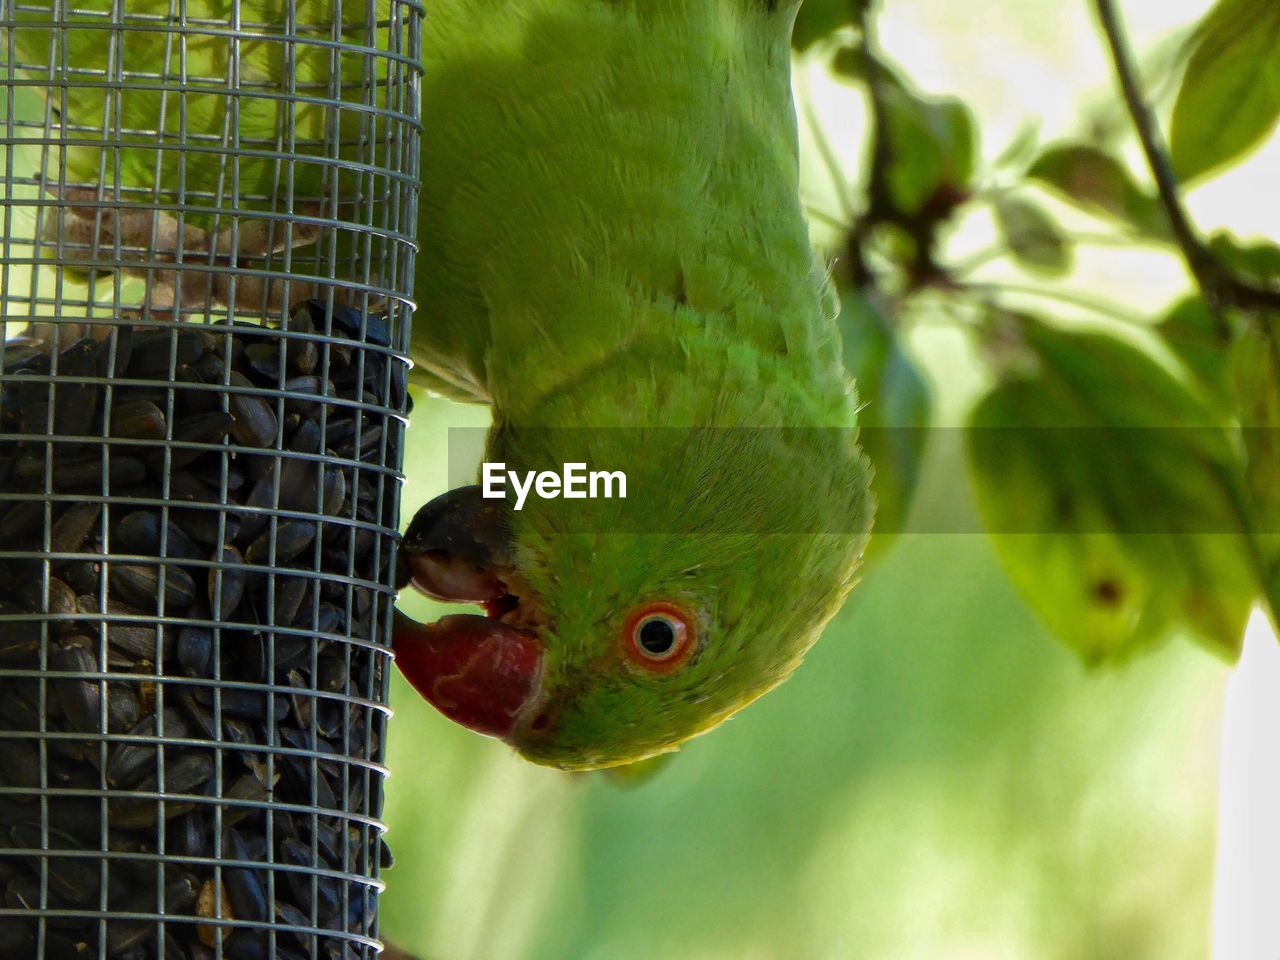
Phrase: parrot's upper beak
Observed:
(456, 546)
(481, 672)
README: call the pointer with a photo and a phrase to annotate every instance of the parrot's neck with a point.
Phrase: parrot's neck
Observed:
(715, 302)
(684, 368)
(746, 310)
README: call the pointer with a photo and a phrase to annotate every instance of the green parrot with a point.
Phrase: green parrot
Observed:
(153, 76)
(614, 257)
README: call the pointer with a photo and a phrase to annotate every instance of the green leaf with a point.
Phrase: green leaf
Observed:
(1229, 100)
(1020, 149)
(933, 146)
(1258, 261)
(1113, 498)
(637, 774)
(896, 410)
(1201, 342)
(818, 19)
(1099, 183)
(1254, 365)
(1033, 238)
(848, 63)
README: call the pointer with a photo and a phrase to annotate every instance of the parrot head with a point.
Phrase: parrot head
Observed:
(614, 630)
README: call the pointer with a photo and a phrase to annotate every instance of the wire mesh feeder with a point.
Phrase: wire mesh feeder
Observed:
(205, 270)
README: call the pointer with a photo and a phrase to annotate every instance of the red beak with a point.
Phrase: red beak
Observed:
(478, 672)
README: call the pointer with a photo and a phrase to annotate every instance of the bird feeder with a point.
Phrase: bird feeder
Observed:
(207, 217)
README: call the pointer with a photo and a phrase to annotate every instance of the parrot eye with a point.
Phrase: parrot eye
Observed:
(659, 636)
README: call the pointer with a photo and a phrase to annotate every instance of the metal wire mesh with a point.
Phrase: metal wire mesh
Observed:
(206, 260)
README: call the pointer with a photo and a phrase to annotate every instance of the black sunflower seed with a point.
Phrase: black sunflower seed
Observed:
(138, 420)
(243, 681)
(74, 525)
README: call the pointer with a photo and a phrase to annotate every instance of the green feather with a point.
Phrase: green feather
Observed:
(613, 247)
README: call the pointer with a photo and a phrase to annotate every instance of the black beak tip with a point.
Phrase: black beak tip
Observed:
(403, 574)
(462, 523)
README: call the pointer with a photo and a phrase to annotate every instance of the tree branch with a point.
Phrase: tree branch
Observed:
(1199, 260)
(861, 274)
(1220, 286)
(874, 71)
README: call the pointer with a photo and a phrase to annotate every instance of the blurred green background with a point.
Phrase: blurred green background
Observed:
(940, 779)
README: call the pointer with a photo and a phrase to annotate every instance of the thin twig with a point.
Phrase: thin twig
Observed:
(1220, 286)
(1083, 301)
(826, 153)
(874, 72)
(980, 259)
(879, 159)
(1198, 258)
(1121, 240)
(817, 213)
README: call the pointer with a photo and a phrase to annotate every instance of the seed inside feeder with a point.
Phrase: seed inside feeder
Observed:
(186, 646)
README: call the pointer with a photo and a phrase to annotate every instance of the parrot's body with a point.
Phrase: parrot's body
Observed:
(612, 241)
(594, 169)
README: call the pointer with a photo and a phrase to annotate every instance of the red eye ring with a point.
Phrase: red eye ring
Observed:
(659, 636)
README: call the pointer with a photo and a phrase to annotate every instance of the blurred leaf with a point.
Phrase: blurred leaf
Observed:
(635, 774)
(932, 144)
(1199, 340)
(848, 63)
(818, 19)
(1230, 95)
(1099, 183)
(896, 410)
(1254, 366)
(1034, 239)
(1112, 498)
(1021, 147)
(1259, 261)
